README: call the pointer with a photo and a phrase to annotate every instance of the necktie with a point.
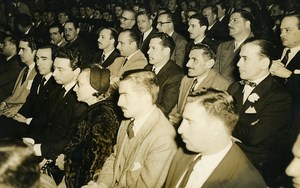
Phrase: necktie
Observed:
(193, 85)
(125, 61)
(102, 58)
(189, 171)
(286, 57)
(141, 40)
(42, 84)
(130, 131)
(246, 82)
(24, 75)
(153, 69)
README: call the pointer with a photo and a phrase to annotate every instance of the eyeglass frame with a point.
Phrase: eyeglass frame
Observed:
(125, 19)
(162, 23)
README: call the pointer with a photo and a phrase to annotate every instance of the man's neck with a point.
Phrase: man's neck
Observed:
(108, 49)
(242, 36)
(74, 39)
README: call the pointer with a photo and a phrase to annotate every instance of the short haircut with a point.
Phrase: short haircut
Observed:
(168, 14)
(31, 43)
(166, 40)
(18, 165)
(113, 33)
(213, 8)
(266, 47)
(60, 27)
(202, 19)
(247, 16)
(75, 23)
(73, 55)
(133, 35)
(12, 40)
(144, 13)
(208, 53)
(223, 5)
(132, 12)
(54, 50)
(217, 103)
(145, 81)
(297, 16)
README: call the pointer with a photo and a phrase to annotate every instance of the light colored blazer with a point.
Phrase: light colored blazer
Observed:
(147, 158)
(179, 51)
(137, 61)
(20, 92)
(213, 79)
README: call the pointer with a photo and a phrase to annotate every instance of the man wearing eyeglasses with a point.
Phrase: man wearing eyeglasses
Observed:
(128, 20)
(165, 24)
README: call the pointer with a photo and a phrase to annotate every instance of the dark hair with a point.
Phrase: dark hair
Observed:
(23, 20)
(74, 22)
(12, 40)
(223, 5)
(218, 103)
(144, 13)
(202, 19)
(18, 165)
(72, 54)
(54, 50)
(213, 8)
(207, 51)
(60, 27)
(166, 40)
(31, 43)
(245, 15)
(266, 47)
(113, 34)
(297, 16)
(133, 35)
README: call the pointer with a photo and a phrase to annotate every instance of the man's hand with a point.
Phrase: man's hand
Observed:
(20, 118)
(11, 111)
(278, 69)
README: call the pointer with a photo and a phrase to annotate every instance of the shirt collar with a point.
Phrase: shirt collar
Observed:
(139, 122)
(69, 86)
(132, 55)
(147, 33)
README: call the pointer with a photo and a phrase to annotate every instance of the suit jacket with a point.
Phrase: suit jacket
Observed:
(169, 78)
(213, 79)
(179, 51)
(219, 32)
(9, 71)
(263, 120)
(54, 127)
(226, 62)
(137, 61)
(108, 61)
(21, 91)
(36, 100)
(234, 170)
(144, 46)
(147, 158)
(84, 49)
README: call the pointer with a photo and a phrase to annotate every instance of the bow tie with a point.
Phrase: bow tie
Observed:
(246, 82)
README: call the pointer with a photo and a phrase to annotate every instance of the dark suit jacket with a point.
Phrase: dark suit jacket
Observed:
(54, 128)
(169, 78)
(108, 61)
(9, 72)
(219, 32)
(84, 49)
(263, 120)
(226, 62)
(144, 46)
(235, 170)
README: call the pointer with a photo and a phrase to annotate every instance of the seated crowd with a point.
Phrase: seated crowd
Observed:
(174, 93)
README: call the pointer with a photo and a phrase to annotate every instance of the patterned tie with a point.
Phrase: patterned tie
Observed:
(286, 57)
(193, 85)
(130, 131)
(188, 173)
(102, 58)
(24, 75)
(246, 82)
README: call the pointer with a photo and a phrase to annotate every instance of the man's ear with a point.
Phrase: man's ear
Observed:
(77, 30)
(210, 63)
(265, 63)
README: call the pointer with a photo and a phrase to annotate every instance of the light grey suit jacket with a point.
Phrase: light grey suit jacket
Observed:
(137, 61)
(144, 160)
(179, 51)
(213, 79)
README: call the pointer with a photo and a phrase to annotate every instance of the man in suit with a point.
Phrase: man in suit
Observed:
(169, 74)
(209, 158)
(107, 42)
(128, 20)
(42, 85)
(216, 29)
(56, 32)
(288, 67)
(293, 169)
(228, 52)
(132, 58)
(145, 143)
(53, 128)
(264, 106)
(71, 31)
(10, 68)
(11, 105)
(200, 75)
(198, 25)
(165, 24)
(144, 23)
